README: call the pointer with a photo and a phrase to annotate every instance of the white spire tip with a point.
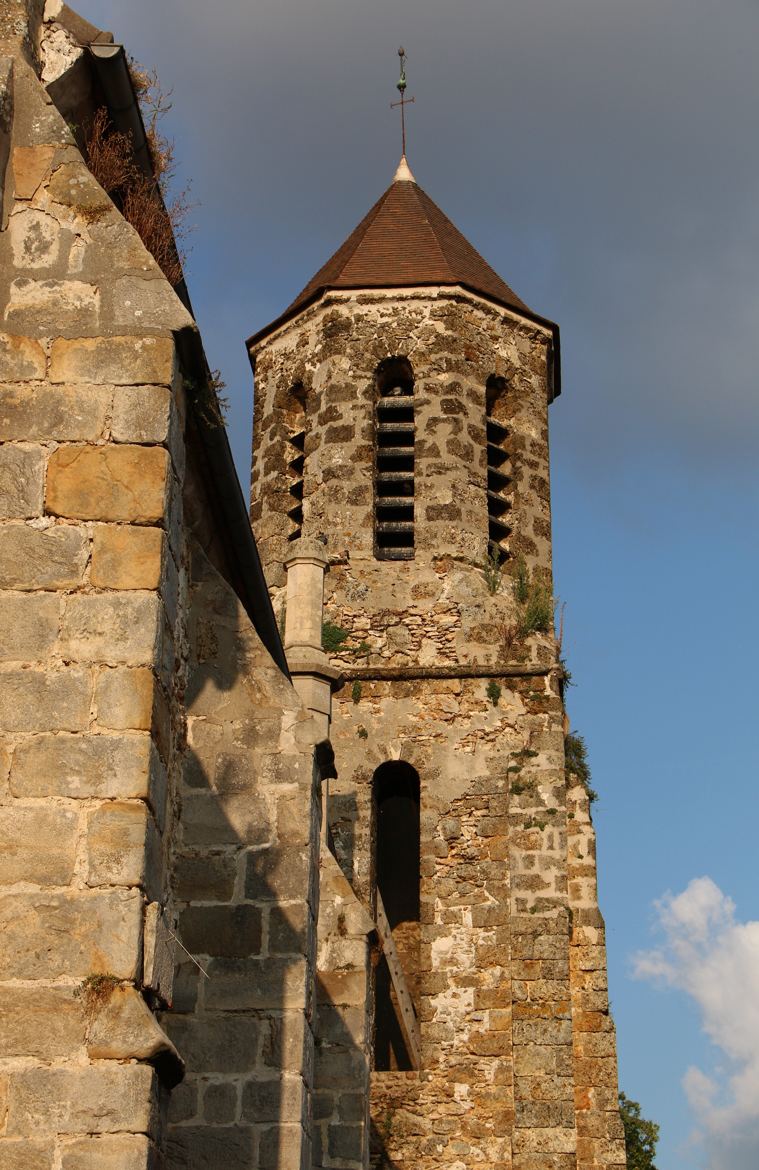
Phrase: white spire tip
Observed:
(403, 174)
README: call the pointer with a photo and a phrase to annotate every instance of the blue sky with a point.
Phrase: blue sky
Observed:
(602, 156)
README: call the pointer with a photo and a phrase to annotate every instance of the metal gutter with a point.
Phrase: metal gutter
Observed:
(112, 69)
(113, 74)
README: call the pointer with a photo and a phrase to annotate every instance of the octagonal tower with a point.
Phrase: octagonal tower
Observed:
(401, 425)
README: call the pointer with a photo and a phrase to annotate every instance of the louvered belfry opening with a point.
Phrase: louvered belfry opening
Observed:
(296, 443)
(397, 864)
(394, 460)
(499, 466)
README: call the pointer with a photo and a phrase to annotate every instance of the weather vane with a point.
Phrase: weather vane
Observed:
(404, 100)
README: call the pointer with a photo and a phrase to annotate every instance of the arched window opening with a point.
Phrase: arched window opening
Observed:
(499, 479)
(394, 460)
(295, 422)
(397, 865)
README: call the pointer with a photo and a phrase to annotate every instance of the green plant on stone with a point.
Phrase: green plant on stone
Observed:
(492, 569)
(521, 582)
(493, 692)
(387, 1123)
(535, 603)
(362, 733)
(333, 637)
(207, 399)
(356, 692)
(576, 763)
(95, 990)
(536, 616)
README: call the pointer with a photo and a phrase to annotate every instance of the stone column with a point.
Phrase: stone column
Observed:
(313, 676)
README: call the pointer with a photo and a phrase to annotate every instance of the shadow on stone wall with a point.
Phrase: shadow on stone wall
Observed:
(343, 816)
(379, 1159)
(277, 1055)
(245, 888)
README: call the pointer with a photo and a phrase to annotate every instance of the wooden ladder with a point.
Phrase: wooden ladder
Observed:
(408, 1021)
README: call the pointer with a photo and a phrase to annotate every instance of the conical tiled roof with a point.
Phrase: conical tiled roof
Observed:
(405, 241)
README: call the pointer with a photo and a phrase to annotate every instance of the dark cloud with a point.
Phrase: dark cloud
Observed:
(601, 155)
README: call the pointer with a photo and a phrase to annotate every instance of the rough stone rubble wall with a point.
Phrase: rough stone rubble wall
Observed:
(496, 1081)
(454, 343)
(600, 1138)
(501, 1052)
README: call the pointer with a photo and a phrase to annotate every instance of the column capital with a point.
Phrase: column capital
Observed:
(307, 551)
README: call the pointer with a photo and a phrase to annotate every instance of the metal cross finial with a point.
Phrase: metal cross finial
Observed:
(404, 100)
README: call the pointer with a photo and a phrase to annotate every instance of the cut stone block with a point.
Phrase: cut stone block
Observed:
(21, 358)
(42, 558)
(31, 165)
(42, 1022)
(23, 1154)
(74, 186)
(78, 933)
(22, 471)
(121, 361)
(35, 238)
(103, 1098)
(126, 556)
(141, 414)
(28, 626)
(108, 483)
(117, 628)
(118, 1151)
(32, 304)
(82, 766)
(124, 697)
(39, 845)
(53, 412)
(122, 845)
(38, 700)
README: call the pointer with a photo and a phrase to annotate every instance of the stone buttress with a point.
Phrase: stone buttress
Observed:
(401, 425)
(160, 776)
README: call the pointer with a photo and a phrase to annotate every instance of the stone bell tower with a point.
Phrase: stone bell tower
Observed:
(401, 427)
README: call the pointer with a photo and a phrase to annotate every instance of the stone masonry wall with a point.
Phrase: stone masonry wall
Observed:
(600, 1137)
(245, 884)
(493, 977)
(343, 1023)
(91, 459)
(157, 771)
(424, 642)
(454, 343)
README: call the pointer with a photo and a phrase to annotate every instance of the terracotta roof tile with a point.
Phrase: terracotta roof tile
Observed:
(407, 240)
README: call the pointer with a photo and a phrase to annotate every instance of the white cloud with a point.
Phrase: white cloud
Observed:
(715, 960)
